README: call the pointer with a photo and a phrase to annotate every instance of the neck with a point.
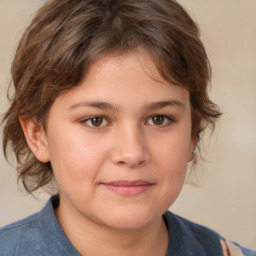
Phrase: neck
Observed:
(91, 239)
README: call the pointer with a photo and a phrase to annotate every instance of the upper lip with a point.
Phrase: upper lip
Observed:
(126, 183)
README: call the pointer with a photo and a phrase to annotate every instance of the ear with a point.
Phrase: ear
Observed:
(36, 138)
(192, 147)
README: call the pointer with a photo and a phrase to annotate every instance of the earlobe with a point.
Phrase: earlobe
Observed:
(191, 156)
(36, 138)
(192, 149)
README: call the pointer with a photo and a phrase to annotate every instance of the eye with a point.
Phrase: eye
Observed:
(160, 120)
(95, 122)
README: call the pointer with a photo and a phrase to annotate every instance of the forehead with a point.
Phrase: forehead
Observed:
(138, 58)
(124, 78)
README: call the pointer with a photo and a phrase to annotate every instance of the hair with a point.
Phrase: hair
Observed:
(66, 37)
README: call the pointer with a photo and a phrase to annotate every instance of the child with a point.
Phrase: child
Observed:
(110, 101)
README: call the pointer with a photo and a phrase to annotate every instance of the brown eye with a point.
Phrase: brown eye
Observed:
(158, 120)
(96, 121)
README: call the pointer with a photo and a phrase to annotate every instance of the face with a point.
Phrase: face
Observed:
(119, 143)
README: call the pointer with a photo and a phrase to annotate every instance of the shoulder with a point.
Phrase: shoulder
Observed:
(235, 249)
(38, 234)
(21, 232)
(197, 237)
(191, 238)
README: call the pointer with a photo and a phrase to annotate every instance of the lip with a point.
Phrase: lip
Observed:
(128, 188)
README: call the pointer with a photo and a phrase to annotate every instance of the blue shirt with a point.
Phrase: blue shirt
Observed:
(41, 234)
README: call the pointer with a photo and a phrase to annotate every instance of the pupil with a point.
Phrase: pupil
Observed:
(158, 120)
(97, 121)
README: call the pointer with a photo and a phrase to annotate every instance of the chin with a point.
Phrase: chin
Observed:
(131, 219)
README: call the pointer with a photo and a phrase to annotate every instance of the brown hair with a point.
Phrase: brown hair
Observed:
(67, 36)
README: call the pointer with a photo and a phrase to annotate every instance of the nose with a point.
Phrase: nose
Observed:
(130, 149)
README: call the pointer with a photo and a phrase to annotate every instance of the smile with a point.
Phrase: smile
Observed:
(128, 188)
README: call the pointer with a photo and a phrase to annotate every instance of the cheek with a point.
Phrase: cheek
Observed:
(75, 158)
(172, 160)
(173, 163)
(174, 149)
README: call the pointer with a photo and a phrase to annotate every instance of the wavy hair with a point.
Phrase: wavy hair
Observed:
(66, 37)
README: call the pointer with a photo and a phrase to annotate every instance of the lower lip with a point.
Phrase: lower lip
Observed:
(129, 190)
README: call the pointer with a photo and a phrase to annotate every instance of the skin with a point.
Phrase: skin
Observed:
(117, 173)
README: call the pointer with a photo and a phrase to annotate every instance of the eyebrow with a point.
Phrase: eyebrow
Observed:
(96, 104)
(162, 104)
(107, 106)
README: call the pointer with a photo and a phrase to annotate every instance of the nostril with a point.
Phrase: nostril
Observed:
(130, 162)
(142, 162)
(121, 163)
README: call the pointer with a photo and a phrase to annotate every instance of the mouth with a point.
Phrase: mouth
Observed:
(129, 188)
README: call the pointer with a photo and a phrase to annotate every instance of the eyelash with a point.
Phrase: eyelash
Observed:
(85, 122)
(168, 120)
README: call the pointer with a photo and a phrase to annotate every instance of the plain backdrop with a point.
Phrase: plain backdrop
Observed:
(225, 196)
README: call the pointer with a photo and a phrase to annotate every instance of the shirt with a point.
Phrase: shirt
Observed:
(41, 234)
